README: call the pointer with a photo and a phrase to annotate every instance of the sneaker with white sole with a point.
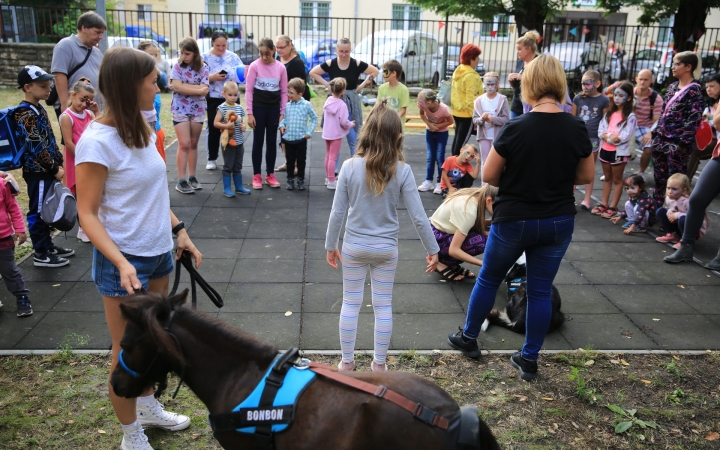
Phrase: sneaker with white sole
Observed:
(194, 183)
(211, 165)
(82, 236)
(24, 307)
(61, 252)
(155, 416)
(426, 186)
(184, 188)
(271, 181)
(332, 185)
(438, 189)
(257, 181)
(48, 260)
(135, 440)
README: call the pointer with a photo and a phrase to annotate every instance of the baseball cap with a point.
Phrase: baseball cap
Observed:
(29, 74)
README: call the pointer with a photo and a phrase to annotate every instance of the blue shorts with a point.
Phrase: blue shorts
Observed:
(107, 276)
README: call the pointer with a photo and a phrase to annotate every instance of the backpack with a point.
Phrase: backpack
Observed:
(653, 97)
(59, 208)
(12, 143)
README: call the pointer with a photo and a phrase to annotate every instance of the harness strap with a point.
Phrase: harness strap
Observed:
(418, 410)
(186, 260)
(273, 383)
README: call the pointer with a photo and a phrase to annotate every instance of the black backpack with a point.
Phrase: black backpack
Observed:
(59, 208)
(653, 97)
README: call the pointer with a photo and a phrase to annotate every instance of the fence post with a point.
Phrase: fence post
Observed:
(445, 47)
(462, 33)
(190, 22)
(632, 66)
(372, 42)
(282, 25)
(3, 38)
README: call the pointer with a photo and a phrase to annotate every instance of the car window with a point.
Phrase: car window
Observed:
(412, 46)
(428, 46)
(709, 61)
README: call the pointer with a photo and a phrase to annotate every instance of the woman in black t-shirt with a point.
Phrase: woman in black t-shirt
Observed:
(349, 68)
(534, 208)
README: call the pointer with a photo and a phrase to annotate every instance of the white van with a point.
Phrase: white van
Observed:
(415, 50)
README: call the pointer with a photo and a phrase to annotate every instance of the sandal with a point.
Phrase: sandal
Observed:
(465, 272)
(609, 213)
(282, 168)
(599, 209)
(451, 273)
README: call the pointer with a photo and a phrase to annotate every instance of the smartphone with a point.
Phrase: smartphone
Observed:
(223, 72)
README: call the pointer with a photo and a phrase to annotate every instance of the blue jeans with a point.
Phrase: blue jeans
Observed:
(435, 143)
(352, 143)
(514, 115)
(39, 231)
(544, 242)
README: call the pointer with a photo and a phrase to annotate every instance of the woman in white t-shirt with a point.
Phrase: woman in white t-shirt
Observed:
(124, 206)
(490, 113)
(461, 230)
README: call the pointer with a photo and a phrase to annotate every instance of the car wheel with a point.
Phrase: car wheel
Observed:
(435, 80)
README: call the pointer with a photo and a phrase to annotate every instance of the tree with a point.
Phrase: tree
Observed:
(690, 16)
(530, 14)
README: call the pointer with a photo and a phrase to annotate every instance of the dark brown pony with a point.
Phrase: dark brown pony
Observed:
(222, 365)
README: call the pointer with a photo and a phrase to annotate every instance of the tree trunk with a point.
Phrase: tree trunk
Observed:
(690, 23)
(530, 14)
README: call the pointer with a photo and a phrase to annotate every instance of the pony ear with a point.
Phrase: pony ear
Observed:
(179, 299)
(130, 313)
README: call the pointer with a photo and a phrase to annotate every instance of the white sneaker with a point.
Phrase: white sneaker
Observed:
(438, 189)
(425, 186)
(602, 178)
(326, 181)
(135, 440)
(155, 416)
(211, 165)
(332, 185)
(82, 236)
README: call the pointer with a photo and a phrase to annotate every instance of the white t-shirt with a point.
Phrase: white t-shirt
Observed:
(135, 205)
(456, 214)
(489, 106)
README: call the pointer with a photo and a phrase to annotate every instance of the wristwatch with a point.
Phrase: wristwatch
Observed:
(180, 226)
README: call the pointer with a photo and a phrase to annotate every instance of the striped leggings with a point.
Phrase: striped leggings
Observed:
(382, 261)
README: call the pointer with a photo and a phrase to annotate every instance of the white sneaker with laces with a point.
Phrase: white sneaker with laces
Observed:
(155, 416)
(211, 165)
(332, 185)
(135, 440)
(82, 236)
(438, 189)
(425, 186)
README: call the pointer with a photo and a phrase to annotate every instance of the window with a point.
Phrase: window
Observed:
(144, 12)
(665, 30)
(428, 46)
(315, 17)
(499, 25)
(222, 7)
(406, 17)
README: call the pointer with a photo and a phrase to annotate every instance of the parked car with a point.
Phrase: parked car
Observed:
(415, 50)
(648, 58)
(316, 50)
(232, 29)
(578, 57)
(133, 42)
(143, 32)
(618, 71)
(453, 60)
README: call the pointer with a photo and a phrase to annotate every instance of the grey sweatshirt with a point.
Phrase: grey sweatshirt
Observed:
(373, 219)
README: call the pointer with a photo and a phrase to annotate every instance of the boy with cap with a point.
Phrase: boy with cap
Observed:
(42, 162)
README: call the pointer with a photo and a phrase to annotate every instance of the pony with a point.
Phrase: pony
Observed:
(222, 365)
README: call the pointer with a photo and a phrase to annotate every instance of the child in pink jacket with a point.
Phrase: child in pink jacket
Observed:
(335, 127)
(12, 227)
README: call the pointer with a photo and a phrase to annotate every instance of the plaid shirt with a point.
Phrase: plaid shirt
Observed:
(296, 120)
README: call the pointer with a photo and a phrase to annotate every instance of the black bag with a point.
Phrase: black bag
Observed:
(53, 91)
(59, 209)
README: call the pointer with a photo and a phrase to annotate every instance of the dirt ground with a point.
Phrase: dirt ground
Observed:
(660, 401)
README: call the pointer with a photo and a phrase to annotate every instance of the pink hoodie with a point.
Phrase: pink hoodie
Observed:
(11, 219)
(335, 116)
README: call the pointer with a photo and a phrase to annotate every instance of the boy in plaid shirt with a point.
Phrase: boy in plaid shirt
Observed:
(296, 131)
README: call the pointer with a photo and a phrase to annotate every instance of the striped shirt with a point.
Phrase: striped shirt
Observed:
(295, 122)
(642, 110)
(240, 111)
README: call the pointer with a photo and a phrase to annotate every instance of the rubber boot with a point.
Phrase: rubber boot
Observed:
(684, 253)
(239, 188)
(714, 264)
(227, 187)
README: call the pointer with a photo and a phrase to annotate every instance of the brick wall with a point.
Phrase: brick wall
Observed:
(15, 55)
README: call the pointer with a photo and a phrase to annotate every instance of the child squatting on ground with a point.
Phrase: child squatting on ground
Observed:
(230, 119)
(335, 127)
(371, 187)
(639, 209)
(458, 171)
(42, 162)
(672, 214)
(296, 128)
(438, 119)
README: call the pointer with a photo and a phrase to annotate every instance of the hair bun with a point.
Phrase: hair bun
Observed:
(532, 35)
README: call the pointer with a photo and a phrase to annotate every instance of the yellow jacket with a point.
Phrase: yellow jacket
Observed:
(466, 87)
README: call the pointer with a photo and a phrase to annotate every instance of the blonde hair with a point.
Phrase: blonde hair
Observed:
(380, 144)
(693, 60)
(470, 147)
(429, 95)
(491, 75)
(544, 77)
(288, 41)
(529, 39)
(683, 181)
(480, 194)
(230, 85)
(337, 85)
(122, 73)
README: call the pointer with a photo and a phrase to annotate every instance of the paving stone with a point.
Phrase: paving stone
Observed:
(229, 215)
(691, 274)
(585, 300)
(275, 230)
(424, 331)
(605, 331)
(213, 270)
(273, 328)
(500, 338)
(272, 248)
(318, 230)
(278, 201)
(83, 296)
(43, 295)
(680, 332)
(281, 215)
(219, 230)
(203, 301)
(263, 298)
(268, 271)
(645, 299)
(218, 248)
(567, 274)
(196, 199)
(217, 200)
(321, 331)
(318, 271)
(13, 328)
(55, 326)
(641, 252)
(614, 273)
(703, 299)
(592, 251)
(72, 272)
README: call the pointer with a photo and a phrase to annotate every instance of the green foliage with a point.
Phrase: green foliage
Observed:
(69, 342)
(582, 390)
(673, 368)
(676, 396)
(627, 419)
(67, 25)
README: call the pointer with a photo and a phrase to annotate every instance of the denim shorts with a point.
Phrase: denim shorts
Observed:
(180, 118)
(107, 276)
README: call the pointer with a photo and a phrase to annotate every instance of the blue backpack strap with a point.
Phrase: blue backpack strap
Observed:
(273, 383)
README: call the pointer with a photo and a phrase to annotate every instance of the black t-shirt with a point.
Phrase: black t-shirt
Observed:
(542, 151)
(296, 69)
(351, 74)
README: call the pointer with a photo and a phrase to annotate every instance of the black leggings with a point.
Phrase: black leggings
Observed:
(266, 125)
(706, 189)
(676, 227)
(213, 134)
(463, 127)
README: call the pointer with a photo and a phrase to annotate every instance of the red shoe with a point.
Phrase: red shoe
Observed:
(676, 245)
(272, 181)
(257, 181)
(670, 238)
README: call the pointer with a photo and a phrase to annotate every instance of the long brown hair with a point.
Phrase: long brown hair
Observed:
(380, 144)
(190, 45)
(122, 73)
(627, 108)
(479, 194)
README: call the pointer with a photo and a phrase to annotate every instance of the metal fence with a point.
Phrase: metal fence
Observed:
(428, 50)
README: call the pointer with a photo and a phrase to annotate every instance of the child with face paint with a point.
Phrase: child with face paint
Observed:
(490, 113)
(672, 215)
(590, 105)
(616, 129)
(639, 208)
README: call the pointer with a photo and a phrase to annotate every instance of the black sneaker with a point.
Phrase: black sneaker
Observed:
(290, 184)
(528, 369)
(24, 308)
(59, 251)
(184, 188)
(301, 184)
(49, 260)
(194, 183)
(469, 347)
